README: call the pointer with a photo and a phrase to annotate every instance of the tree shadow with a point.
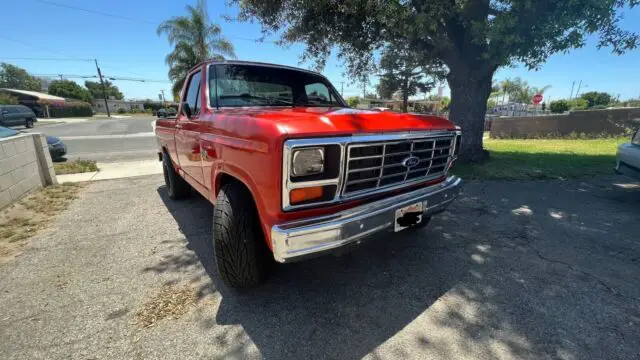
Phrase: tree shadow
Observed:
(348, 306)
(513, 270)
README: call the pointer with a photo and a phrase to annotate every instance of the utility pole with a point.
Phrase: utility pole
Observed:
(60, 76)
(364, 89)
(572, 85)
(578, 92)
(341, 88)
(163, 100)
(104, 90)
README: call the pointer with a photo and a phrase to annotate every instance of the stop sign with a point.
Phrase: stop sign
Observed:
(537, 99)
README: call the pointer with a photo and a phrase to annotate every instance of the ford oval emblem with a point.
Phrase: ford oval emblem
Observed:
(411, 161)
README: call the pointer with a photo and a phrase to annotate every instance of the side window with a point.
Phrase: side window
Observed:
(192, 97)
(318, 94)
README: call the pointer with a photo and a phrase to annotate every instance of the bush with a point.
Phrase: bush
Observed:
(559, 106)
(6, 99)
(578, 104)
(148, 111)
(70, 109)
(121, 111)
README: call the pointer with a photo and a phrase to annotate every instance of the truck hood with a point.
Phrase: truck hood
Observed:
(320, 121)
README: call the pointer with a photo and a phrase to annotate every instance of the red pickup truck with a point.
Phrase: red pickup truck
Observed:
(294, 172)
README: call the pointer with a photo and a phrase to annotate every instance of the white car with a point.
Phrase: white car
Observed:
(628, 157)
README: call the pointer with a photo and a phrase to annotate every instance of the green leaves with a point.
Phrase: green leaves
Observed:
(69, 89)
(195, 39)
(13, 77)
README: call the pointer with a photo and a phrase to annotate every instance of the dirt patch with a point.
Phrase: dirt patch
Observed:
(26, 217)
(171, 302)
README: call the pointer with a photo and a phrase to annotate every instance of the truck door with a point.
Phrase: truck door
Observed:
(187, 130)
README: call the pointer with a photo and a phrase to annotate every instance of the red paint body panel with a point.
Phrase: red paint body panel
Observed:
(246, 143)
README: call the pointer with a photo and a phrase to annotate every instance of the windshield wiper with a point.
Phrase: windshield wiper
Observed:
(257, 97)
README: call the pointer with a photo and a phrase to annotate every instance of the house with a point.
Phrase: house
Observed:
(128, 105)
(36, 101)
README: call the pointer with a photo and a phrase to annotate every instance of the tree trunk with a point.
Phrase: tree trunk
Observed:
(470, 91)
(405, 97)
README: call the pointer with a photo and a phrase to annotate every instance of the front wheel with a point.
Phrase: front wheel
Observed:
(177, 187)
(242, 257)
(28, 123)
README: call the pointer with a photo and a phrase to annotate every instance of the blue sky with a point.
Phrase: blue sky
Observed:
(127, 48)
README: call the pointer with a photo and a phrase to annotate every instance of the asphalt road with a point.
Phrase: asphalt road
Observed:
(514, 270)
(103, 140)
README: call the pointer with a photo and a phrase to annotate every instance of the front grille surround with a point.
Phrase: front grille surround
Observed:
(435, 150)
(372, 166)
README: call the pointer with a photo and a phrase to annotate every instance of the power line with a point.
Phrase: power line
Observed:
(113, 78)
(24, 43)
(43, 59)
(115, 16)
(94, 12)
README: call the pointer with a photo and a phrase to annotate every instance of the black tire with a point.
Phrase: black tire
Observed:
(177, 187)
(242, 257)
(28, 123)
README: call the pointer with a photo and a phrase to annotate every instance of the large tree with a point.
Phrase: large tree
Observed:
(472, 38)
(195, 39)
(403, 71)
(13, 77)
(69, 89)
(95, 88)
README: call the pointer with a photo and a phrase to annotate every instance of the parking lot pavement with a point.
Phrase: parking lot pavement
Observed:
(526, 270)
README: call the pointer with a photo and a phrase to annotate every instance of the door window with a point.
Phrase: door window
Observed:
(318, 94)
(192, 97)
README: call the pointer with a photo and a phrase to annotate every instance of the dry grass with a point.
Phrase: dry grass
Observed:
(26, 217)
(171, 302)
(74, 167)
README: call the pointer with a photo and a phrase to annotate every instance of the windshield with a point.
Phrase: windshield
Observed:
(253, 85)
(6, 132)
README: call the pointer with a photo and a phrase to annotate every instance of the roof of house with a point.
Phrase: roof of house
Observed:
(39, 95)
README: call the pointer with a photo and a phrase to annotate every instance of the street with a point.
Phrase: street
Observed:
(105, 140)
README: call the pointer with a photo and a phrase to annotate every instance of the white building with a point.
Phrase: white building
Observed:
(128, 105)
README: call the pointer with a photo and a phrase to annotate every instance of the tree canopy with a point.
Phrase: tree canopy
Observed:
(402, 71)
(595, 98)
(69, 89)
(14, 77)
(195, 39)
(472, 38)
(95, 88)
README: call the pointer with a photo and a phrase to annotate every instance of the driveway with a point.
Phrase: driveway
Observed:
(526, 270)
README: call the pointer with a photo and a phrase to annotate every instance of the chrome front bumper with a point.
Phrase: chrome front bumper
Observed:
(302, 238)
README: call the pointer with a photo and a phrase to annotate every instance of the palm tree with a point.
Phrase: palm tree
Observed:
(195, 39)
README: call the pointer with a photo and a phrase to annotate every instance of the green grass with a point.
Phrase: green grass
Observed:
(544, 159)
(74, 167)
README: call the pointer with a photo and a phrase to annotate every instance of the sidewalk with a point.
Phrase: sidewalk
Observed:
(115, 171)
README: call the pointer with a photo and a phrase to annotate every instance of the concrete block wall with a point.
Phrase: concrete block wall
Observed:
(25, 165)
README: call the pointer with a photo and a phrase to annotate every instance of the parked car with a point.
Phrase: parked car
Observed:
(292, 171)
(165, 113)
(628, 157)
(57, 148)
(16, 115)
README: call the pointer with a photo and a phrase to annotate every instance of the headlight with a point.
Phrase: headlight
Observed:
(309, 161)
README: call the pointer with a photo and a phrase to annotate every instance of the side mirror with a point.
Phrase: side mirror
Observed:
(186, 109)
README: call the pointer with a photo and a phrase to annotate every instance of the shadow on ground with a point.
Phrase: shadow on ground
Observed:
(508, 272)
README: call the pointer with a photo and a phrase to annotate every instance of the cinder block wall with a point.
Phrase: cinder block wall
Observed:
(25, 165)
(591, 123)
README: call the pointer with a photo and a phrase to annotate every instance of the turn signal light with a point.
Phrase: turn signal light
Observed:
(301, 195)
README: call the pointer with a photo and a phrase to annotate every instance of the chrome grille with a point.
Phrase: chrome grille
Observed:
(382, 164)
